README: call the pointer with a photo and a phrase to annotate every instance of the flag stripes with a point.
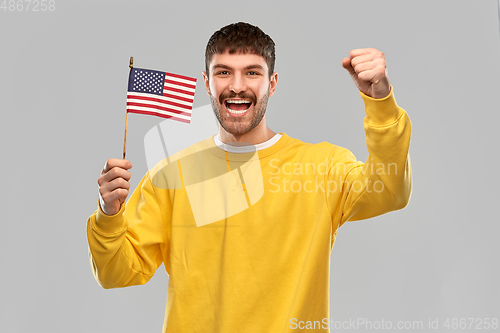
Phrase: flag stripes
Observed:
(162, 99)
(179, 92)
(159, 107)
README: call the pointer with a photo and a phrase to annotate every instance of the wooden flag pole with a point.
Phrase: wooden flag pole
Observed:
(131, 65)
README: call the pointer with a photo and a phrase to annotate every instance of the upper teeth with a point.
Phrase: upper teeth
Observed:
(237, 101)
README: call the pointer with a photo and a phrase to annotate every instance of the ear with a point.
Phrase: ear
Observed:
(207, 84)
(273, 83)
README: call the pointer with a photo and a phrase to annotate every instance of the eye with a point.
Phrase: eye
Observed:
(222, 73)
(253, 73)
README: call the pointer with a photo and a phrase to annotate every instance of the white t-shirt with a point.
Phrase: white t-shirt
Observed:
(246, 149)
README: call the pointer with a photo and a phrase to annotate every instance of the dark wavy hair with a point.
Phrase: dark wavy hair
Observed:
(241, 37)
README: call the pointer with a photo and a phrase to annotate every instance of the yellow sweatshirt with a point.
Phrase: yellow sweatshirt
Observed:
(246, 238)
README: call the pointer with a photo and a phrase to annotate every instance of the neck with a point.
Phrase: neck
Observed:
(261, 133)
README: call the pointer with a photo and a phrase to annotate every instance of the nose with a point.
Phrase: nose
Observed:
(237, 84)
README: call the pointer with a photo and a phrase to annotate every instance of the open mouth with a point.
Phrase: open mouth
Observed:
(237, 107)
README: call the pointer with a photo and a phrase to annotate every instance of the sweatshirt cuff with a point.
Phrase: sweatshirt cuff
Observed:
(380, 112)
(109, 224)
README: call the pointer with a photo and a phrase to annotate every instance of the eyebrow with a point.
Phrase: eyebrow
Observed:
(221, 66)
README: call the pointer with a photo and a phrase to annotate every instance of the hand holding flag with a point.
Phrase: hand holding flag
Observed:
(368, 70)
(149, 92)
(114, 185)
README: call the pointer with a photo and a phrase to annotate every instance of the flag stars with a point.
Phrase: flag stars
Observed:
(148, 82)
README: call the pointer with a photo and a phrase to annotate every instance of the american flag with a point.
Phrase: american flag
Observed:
(160, 94)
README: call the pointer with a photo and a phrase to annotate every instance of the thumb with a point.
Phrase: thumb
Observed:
(346, 63)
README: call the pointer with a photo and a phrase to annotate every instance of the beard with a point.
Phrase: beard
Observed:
(240, 125)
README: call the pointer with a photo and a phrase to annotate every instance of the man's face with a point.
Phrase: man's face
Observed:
(239, 86)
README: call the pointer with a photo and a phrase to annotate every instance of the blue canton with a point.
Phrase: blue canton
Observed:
(146, 81)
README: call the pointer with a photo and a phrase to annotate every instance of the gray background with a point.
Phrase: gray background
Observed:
(63, 84)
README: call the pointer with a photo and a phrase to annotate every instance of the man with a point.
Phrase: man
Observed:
(264, 267)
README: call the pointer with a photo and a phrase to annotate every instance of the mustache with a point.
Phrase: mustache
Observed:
(230, 95)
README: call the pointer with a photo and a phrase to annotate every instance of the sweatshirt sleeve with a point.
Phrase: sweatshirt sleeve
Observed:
(126, 249)
(384, 182)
